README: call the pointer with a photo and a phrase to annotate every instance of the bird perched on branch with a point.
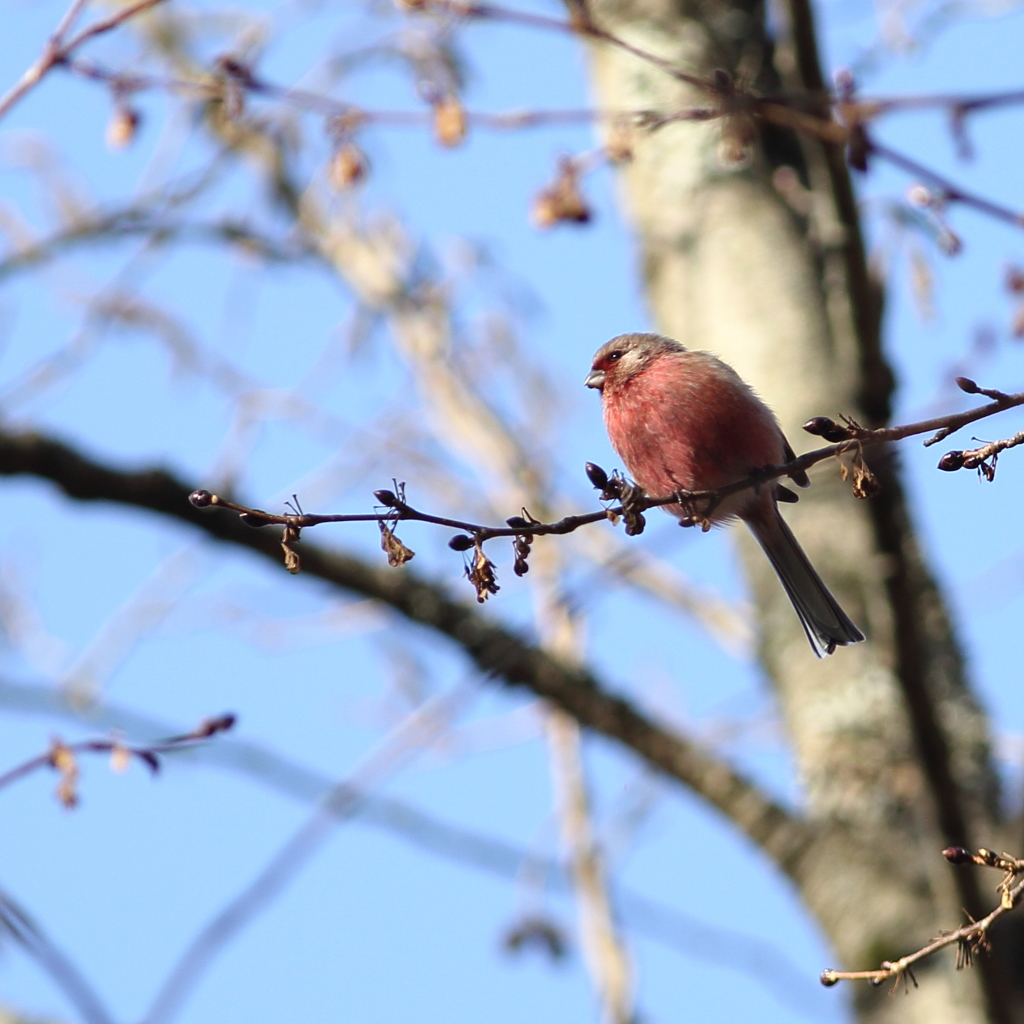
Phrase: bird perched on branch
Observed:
(684, 420)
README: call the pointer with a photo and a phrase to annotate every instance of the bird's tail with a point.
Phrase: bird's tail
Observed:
(826, 624)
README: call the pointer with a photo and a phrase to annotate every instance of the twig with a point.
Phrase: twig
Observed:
(970, 938)
(756, 958)
(16, 922)
(500, 654)
(61, 755)
(856, 439)
(56, 51)
(417, 731)
(949, 191)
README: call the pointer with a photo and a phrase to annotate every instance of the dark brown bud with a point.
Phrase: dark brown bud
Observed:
(460, 542)
(823, 426)
(386, 497)
(952, 461)
(957, 855)
(201, 499)
(517, 522)
(221, 723)
(253, 520)
(967, 385)
(828, 977)
(597, 476)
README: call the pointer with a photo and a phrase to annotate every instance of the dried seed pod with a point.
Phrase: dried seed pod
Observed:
(122, 127)
(481, 574)
(398, 554)
(562, 201)
(289, 537)
(449, 121)
(63, 759)
(348, 167)
(865, 483)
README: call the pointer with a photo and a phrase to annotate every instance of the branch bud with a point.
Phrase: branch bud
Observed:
(597, 476)
(386, 497)
(952, 461)
(958, 855)
(201, 499)
(252, 520)
(967, 385)
(823, 426)
(460, 542)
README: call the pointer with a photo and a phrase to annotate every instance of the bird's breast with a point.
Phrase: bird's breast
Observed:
(695, 430)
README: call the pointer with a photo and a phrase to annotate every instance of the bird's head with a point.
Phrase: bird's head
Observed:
(616, 361)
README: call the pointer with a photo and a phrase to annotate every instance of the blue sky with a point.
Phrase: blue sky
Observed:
(374, 929)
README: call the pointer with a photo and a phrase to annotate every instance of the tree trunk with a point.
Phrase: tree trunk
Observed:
(891, 746)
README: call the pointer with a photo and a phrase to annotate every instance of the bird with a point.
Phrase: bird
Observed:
(686, 420)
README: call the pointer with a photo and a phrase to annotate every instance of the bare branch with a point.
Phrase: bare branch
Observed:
(417, 731)
(702, 503)
(969, 939)
(759, 960)
(19, 924)
(497, 652)
(60, 755)
(57, 51)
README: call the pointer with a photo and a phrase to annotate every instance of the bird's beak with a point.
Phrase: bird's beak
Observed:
(595, 379)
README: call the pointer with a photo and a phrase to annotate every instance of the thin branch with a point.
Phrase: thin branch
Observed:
(61, 755)
(497, 652)
(969, 939)
(949, 190)
(701, 502)
(18, 923)
(417, 731)
(56, 51)
(759, 960)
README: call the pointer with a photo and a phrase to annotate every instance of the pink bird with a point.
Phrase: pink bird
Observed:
(684, 420)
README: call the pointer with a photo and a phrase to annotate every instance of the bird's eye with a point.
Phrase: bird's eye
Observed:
(614, 356)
